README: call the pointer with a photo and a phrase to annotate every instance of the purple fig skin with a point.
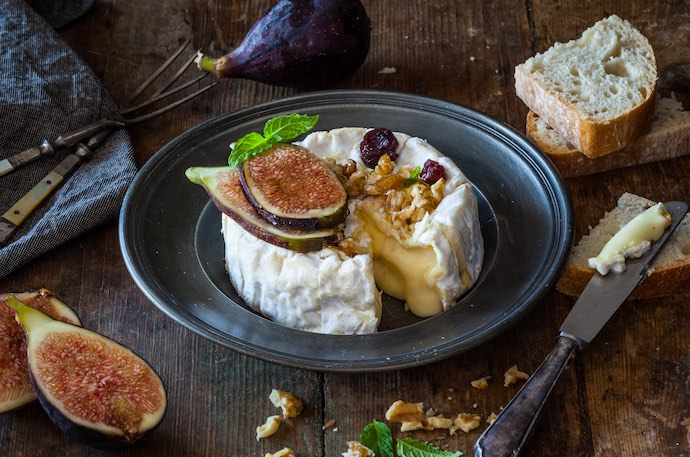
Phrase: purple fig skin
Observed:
(299, 43)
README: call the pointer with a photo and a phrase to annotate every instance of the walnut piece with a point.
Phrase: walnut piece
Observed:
(288, 402)
(285, 452)
(481, 383)
(511, 376)
(401, 411)
(268, 428)
(492, 417)
(357, 449)
(466, 422)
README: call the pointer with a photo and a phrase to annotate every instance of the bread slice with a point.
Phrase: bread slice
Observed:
(668, 138)
(596, 91)
(670, 272)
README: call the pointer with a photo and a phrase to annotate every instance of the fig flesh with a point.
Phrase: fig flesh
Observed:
(223, 186)
(15, 383)
(94, 389)
(299, 43)
(288, 185)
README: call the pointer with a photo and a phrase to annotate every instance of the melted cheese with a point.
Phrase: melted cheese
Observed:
(633, 240)
(405, 272)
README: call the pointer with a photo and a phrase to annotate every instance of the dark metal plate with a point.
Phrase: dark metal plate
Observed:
(171, 242)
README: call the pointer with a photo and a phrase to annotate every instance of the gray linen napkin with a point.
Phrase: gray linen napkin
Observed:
(46, 90)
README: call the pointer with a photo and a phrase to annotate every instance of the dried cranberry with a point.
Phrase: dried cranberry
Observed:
(432, 172)
(376, 143)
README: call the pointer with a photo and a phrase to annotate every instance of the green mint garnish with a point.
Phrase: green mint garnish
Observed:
(377, 437)
(410, 447)
(277, 130)
(413, 178)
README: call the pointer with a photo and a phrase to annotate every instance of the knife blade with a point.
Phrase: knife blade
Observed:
(602, 296)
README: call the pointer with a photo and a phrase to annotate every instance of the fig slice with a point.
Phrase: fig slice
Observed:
(15, 383)
(94, 389)
(288, 185)
(223, 186)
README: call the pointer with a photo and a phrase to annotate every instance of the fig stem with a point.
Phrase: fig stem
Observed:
(29, 317)
(205, 63)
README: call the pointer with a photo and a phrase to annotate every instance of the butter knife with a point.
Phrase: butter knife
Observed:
(601, 298)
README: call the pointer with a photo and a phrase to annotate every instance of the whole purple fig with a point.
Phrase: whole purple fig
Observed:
(299, 43)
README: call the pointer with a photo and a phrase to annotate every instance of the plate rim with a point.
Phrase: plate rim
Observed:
(539, 164)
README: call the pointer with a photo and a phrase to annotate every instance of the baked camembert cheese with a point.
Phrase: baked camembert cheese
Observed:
(419, 243)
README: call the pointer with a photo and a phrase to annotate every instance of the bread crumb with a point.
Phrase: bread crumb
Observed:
(387, 71)
(268, 428)
(288, 402)
(511, 376)
(472, 58)
(285, 452)
(481, 383)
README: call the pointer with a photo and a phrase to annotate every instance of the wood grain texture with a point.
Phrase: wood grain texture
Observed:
(626, 394)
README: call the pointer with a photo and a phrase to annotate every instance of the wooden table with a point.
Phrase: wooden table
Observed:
(626, 395)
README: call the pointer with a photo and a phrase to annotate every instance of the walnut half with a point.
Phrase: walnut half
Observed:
(288, 402)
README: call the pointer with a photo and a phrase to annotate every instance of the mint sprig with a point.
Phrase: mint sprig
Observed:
(413, 178)
(377, 437)
(277, 130)
(410, 447)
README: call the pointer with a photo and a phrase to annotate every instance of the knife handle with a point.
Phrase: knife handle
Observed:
(509, 432)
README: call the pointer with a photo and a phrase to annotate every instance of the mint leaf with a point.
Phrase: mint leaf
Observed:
(377, 437)
(413, 178)
(276, 130)
(250, 145)
(286, 128)
(410, 447)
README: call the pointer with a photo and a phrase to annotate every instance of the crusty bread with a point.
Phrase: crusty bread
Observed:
(670, 272)
(668, 138)
(596, 91)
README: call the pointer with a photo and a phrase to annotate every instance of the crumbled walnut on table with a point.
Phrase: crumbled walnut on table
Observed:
(492, 417)
(357, 449)
(512, 375)
(466, 422)
(481, 383)
(268, 428)
(285, 452)
(288, 402)
(401, 411)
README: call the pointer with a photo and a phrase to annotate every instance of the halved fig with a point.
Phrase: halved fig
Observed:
(223, 186)
(15, 383)
(288, 185)
(94, 389)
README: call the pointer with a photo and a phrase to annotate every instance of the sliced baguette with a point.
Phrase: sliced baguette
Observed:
(668, 138)
(596, 91)
(670, 273)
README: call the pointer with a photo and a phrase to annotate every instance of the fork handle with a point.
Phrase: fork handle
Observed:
(49, 147)
(17, 214)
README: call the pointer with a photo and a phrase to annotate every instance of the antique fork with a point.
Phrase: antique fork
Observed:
(87, 139)
(126, 116)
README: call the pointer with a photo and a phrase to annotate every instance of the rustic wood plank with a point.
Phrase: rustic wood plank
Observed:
(623, 395)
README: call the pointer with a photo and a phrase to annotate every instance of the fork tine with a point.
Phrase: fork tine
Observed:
(157, 73)
(146, 117)
(174, 77)
(158, 97)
